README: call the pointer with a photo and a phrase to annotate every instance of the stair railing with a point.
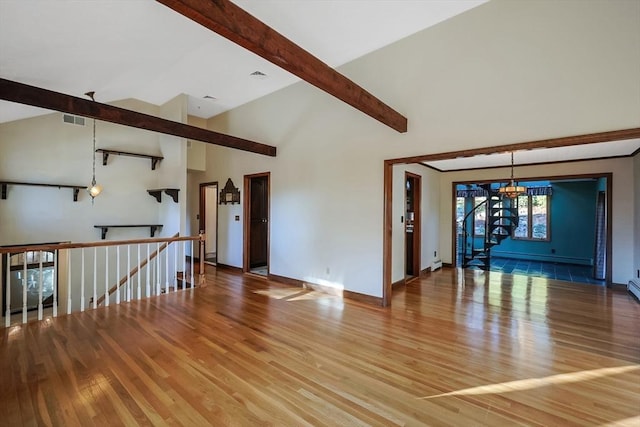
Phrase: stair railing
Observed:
(75, 270)
(468, 238)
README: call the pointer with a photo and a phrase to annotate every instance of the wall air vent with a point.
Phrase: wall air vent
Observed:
(258, 75)
(73, 120)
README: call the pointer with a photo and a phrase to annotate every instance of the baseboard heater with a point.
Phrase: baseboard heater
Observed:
(634, 288)
(436, 264)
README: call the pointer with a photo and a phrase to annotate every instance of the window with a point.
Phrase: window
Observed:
(480, 216)
(533, 218)
(459, 214)
(32, 280)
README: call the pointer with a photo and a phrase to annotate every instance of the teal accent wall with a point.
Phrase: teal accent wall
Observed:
(573, 211)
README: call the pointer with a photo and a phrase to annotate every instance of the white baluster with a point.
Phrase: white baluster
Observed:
(95, 277)
(158, 268)
(55, 283)
(24, 288)
(82, 283)
(175, 266)
(193, 282)
(166, 270)
(128, 289)
(68, 281)
(148, 272)
(118, 274)
(7, 314)
(40, 284)
(106, 276)
(184, 264)
(139, 272)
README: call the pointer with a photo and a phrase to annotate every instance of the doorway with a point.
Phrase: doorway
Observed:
(256, 223)
(209, 220)
(412, 235)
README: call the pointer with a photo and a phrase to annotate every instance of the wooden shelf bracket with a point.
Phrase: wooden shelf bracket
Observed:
(157, 193)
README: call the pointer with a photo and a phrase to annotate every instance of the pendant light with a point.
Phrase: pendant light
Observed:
(94, 189)
(512, 190)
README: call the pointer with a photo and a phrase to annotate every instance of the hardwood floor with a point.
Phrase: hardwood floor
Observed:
(454, 349)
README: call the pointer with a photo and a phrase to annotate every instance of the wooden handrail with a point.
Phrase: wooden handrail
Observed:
(25, 248)
(135, 270)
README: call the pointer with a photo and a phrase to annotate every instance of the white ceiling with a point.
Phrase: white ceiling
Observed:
(142, 49)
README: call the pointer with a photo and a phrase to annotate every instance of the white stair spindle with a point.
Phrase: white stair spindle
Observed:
(166, 270)
(193, 283)
(184, 264)
(128, 288)
(95, 277)
(69, 281)
(24, 288)
(117, 274)
(148, 273)
(106, 276)
(7, 314)
(40, 284)
(158, 268)
(139, 272)
(82, 283)
(55, 283)
(175, 266)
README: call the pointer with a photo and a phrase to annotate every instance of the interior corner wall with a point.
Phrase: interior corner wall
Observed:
(44, 149)
(635, 274)
(623, 185)
(430, 218)
(172, 215)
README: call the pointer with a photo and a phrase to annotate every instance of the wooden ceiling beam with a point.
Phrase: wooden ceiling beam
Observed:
(230, 21)
(565, 141)
(43, 98)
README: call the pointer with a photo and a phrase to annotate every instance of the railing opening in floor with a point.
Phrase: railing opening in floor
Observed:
(67, 277)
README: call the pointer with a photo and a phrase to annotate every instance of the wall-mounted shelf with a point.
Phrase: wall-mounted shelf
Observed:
(105, 156)
(157, 193)
(76, 188)
(105, 228)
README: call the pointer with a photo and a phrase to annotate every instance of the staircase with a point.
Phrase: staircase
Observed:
(501, 218)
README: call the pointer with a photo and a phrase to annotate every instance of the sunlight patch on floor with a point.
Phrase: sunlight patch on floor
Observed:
(292, 294)
(530, 383)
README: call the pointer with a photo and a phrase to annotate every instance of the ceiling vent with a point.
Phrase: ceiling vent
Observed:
(73, 120)
(258, 75)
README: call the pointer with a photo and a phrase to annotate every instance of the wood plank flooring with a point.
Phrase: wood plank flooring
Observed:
(457, 349)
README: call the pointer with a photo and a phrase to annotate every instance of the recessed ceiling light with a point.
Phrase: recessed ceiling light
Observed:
(258, 75)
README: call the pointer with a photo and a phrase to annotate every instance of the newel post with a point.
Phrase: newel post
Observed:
(201, 280)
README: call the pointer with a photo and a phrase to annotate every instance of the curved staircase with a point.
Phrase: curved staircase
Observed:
(501, 218)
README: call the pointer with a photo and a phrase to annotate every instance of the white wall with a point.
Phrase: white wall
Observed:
(501, 73)
(624, 187)
(44, 149)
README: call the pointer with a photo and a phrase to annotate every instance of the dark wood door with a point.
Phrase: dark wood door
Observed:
(259, 221)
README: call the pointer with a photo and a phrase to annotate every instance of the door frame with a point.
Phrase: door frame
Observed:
(246, 237)
(417, 234)
(202, 212)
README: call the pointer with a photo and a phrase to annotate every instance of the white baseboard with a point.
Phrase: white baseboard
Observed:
(634, 288)
(436, 264)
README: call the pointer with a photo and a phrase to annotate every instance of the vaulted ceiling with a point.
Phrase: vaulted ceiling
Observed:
(144, 50)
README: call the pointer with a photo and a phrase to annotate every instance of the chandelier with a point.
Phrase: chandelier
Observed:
(512, 190)
(94, 189)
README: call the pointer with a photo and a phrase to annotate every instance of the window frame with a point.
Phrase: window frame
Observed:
(475, 205)
(529, 236)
